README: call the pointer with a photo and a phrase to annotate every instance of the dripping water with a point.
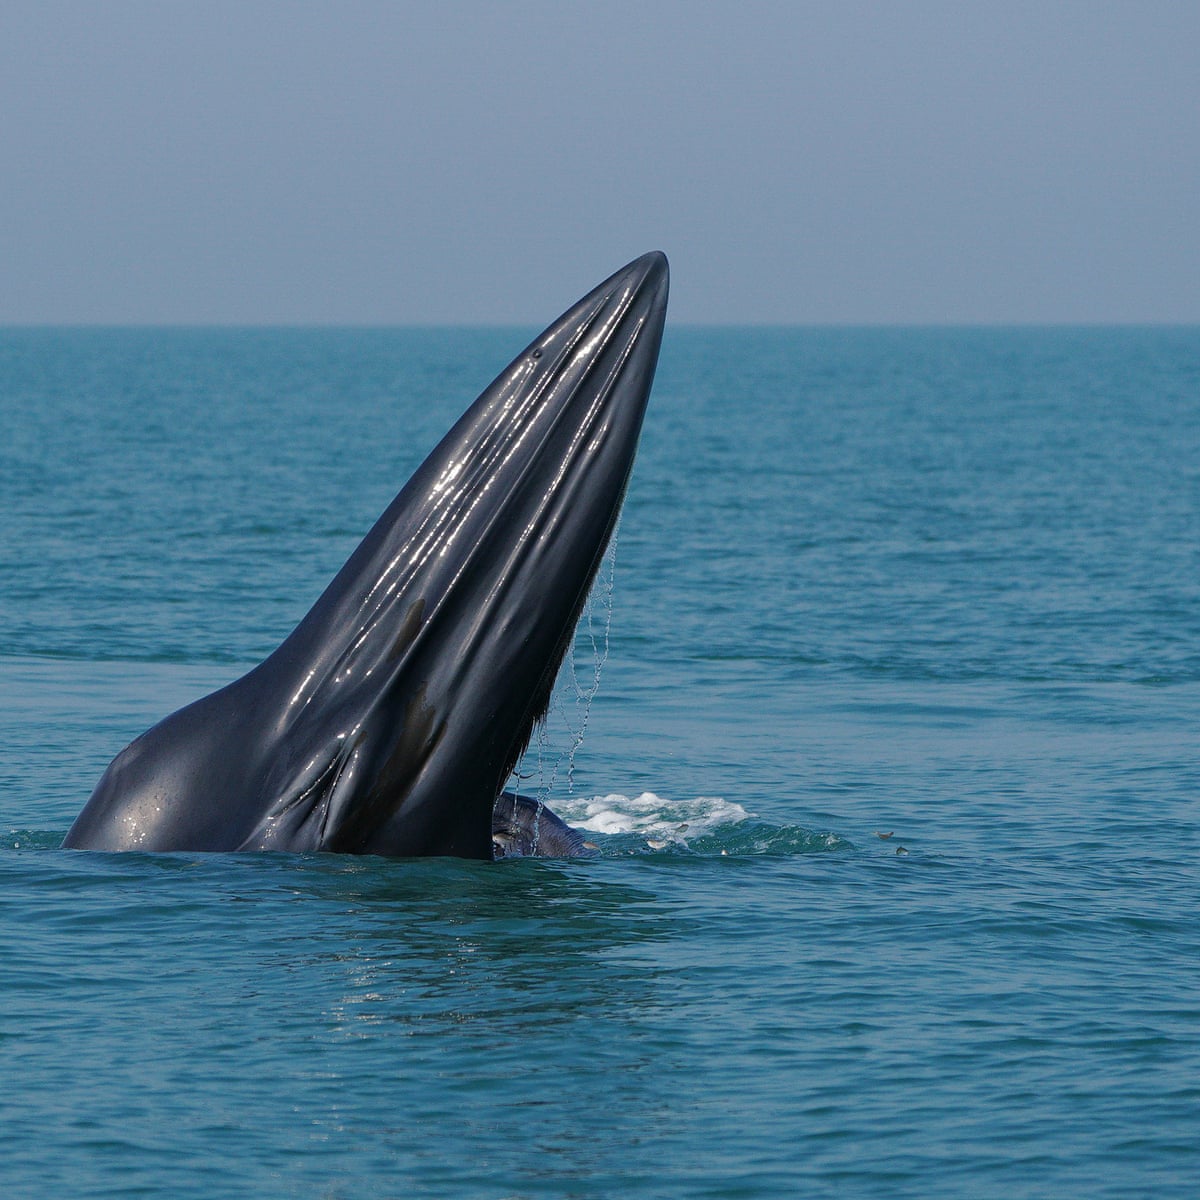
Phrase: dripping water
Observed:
(571, 701)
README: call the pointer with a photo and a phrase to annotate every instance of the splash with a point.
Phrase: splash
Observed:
(651, 816)
(706, 825)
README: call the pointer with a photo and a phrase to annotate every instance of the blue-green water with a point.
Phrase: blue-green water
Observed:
(943, 585)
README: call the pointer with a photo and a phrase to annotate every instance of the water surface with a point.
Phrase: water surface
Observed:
(935, 584)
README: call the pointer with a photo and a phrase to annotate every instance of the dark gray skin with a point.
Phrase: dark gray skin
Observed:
(391, 717)
(523, 827)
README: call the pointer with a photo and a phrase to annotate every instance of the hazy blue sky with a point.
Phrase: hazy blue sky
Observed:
(465, 162)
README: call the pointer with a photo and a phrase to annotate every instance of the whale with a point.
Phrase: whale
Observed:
(390, 720)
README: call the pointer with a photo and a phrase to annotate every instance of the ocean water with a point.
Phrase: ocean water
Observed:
(893, 767)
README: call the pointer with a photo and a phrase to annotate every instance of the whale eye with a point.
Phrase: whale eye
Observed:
(537, 354)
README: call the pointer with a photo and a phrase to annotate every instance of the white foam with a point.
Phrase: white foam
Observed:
(650, 815)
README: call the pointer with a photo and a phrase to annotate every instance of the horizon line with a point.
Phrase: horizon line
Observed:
(381, 326)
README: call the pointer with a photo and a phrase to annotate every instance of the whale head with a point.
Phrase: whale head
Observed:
(390, 719)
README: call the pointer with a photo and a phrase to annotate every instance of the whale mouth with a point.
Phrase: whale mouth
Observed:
(466, 595)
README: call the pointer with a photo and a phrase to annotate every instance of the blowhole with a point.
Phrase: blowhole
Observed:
(537, 354)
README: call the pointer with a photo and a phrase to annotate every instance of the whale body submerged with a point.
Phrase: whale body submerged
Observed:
(390, 719)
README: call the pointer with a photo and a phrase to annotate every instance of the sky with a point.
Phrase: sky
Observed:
(463, 162)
